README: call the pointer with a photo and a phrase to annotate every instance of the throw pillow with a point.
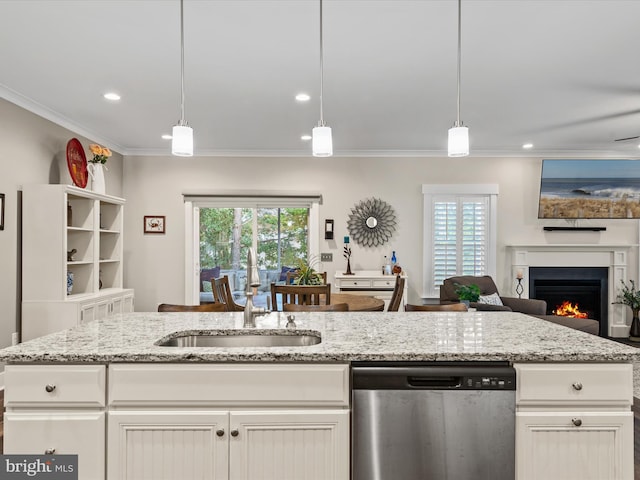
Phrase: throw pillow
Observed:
(493, 299)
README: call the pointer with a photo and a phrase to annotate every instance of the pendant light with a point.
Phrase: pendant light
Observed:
(182, 135)
(322, 143)
(459, 134)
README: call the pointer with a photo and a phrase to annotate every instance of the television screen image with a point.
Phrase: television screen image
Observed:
(574, 189)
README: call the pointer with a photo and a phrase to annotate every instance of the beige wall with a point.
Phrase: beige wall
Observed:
(154, 186)
(32, 150)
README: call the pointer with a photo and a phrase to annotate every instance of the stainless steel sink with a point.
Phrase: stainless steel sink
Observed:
(243, 340)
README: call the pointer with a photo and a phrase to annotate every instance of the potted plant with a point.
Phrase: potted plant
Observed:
(307, 275)
(468, 293)
(630, 296)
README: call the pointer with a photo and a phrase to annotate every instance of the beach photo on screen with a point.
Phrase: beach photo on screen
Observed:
(573, 189)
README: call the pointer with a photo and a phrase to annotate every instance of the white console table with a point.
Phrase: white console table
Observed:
(370, 282)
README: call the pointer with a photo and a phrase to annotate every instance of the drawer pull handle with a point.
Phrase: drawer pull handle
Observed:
(234, 432)
(50, 451)
(576, 421)
(220, 432)
(355, 283)
(577, 386)
(50, 388)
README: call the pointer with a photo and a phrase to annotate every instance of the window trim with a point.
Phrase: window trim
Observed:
(193, 203)
(431, 192)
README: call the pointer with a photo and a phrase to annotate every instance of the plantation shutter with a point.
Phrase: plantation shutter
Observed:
(459, 237)
(459, 233)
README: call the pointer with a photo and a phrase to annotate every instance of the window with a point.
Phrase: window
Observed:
(281, 229)
(459, 233)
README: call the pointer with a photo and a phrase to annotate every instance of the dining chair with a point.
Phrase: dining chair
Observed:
(222, 294)
(292, 275)
(396, 297)
(300, 294)
(336, 307)
(205, 307)
(449, 307)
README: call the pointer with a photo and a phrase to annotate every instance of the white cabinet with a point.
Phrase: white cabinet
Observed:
(574, 421)
(69, 230)
(370, 282)
(229, 422)
(54, 409)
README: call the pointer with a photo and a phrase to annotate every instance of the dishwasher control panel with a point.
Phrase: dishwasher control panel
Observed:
(489, 382)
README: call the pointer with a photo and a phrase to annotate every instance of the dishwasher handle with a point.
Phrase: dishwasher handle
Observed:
(433, 378)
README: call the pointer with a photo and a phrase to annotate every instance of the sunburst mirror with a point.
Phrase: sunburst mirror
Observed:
(372, 222)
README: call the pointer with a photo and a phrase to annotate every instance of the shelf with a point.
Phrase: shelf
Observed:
(575, 229)
(79, 229)
(109, 231)
(109, 260)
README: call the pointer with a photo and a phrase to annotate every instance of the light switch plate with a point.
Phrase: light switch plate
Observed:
(326, 257)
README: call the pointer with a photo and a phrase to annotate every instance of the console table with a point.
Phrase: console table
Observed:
(370, 282)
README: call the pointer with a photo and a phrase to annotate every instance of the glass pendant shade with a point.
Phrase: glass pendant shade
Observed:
(458, 141)
(182, 142)
(322, 143)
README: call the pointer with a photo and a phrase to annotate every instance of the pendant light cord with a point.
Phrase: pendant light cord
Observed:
(182, 122)
(458, 124)
(321, 123)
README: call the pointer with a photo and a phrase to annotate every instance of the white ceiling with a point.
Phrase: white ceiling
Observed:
(561, 74)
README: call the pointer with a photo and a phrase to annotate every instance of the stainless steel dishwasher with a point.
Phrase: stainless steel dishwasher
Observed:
(433, 421)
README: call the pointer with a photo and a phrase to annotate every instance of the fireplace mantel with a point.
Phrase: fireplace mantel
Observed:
(614, 257)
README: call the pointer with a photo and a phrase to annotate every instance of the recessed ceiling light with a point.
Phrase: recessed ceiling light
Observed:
(306, 138)
(112, 96)
(302, 97)
(166, 136)
(527, 146)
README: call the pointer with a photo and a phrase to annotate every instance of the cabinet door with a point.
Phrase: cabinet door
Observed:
(127, 304)
(574, 445)
(67, 433)
(103, 309)
(289, 445)
(116, 306)
(88, 313)
(186, 445)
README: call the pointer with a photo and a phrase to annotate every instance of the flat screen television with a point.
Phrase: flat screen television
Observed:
(574, 189)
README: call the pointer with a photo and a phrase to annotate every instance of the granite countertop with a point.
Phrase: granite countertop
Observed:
(348, 336)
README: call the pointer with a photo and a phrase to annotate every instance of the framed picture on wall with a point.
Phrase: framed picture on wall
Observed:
(154, 224)
(1, 211)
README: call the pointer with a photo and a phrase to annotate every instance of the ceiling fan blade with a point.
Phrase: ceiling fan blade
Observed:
(628, 138)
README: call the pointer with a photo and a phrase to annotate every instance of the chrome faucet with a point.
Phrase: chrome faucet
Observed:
(253, 280)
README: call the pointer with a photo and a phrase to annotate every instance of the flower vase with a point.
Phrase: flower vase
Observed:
(634, 331)
(69, 283)
(96, 171)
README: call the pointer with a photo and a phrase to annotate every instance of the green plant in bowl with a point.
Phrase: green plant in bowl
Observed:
(468, 293)
(307, 274)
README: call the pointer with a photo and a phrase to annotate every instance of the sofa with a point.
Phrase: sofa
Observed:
(533, 307)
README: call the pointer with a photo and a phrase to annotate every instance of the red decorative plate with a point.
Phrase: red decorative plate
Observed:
(77, 163)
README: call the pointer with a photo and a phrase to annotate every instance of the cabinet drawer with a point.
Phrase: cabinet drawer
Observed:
(567, 383)
(385, 284)
(70, 385)
(228, 385)
(360, 283)
(68, 433)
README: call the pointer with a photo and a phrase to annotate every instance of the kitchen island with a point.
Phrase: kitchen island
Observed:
(210, 412)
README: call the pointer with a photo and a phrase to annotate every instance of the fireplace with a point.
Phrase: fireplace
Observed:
(585, 286)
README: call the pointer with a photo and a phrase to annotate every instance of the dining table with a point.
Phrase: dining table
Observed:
(358, 303)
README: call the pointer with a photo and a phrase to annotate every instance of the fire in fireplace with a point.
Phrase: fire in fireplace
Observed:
(584, 288)
(568, 309)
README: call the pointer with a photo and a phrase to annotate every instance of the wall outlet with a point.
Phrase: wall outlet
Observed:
(15, 338)
(326, 257)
